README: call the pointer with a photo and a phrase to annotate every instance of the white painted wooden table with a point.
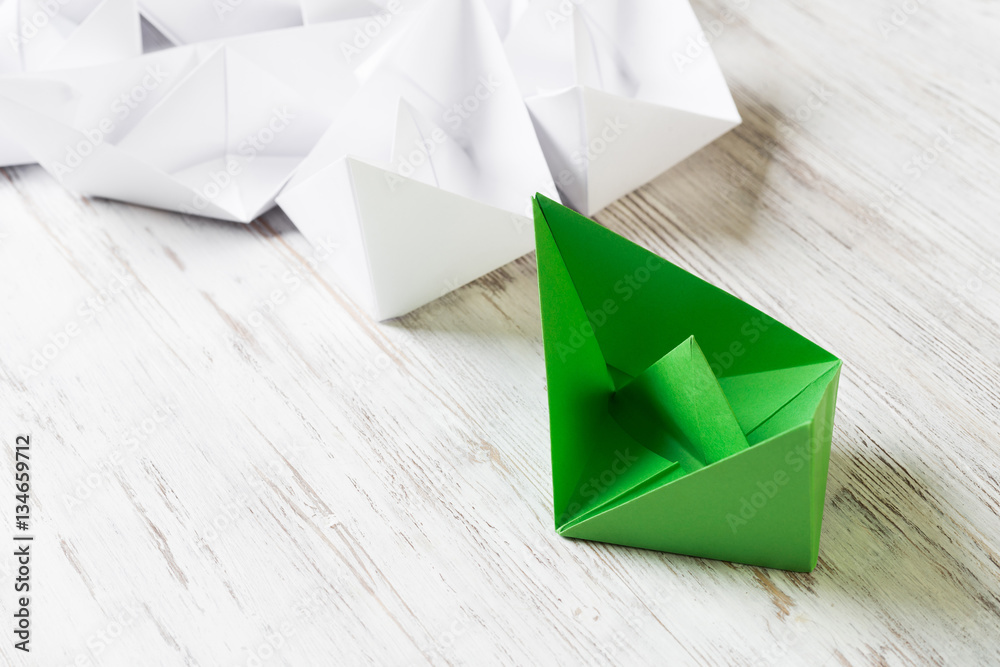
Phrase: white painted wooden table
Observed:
(234, 466)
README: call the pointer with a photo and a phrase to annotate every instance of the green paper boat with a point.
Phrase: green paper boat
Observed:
(682, 419)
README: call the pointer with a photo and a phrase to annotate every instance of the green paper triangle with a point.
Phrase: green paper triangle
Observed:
(677, 409)
(641, 306)
(682, 419)
(759, 395)
(587, 443)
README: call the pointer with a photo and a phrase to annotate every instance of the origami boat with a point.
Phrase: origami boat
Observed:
(619, 90)
(682, 419)
(55, 35)
(213, 129)
(425, 178)
(191, 21)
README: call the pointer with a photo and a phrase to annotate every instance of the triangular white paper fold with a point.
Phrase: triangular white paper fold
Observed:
(425, 179)
(614, 90)
(213, 129)
(190, 21)
(39, 36)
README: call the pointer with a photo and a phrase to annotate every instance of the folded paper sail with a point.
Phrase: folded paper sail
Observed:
(190, 21)
(682, 419)
(619, 90)
(424, 181)
(213, 129)
(61, 34)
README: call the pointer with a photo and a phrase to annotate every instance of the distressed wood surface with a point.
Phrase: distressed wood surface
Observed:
(234, 466)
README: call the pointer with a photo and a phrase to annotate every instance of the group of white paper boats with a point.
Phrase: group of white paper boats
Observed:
(411, 132)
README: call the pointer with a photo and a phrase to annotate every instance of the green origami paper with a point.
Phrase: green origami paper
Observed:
(682, 419)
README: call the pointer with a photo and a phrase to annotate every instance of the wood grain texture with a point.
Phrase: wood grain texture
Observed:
(306, 487)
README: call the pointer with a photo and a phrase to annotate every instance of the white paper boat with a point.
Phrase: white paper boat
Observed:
(60, 34)
(425, 179)
(190, 21)
(214, 129)
(615, 91)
